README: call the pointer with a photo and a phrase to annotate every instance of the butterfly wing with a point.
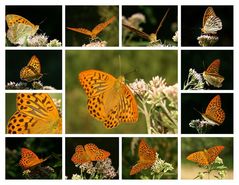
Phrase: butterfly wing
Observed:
(81, 30)
(214, 113)
(211, 75)
(20, 26)
(147, 157)
(36, 113)
(29, 159)
(32, 71)
(198, 157)
(213, 152)
(97, 29)
(138, 32)
(80, 155)
(208, 13)
(95, 153)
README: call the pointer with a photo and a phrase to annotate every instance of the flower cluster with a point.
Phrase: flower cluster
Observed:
(96, 44)
(36, 85)
(202, 126)
(194, 81)
(158, 104)
(218, 169)
(175, 37)
(100, 170)
(207, 40)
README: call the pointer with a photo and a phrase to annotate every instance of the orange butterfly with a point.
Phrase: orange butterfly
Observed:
(147, 157)
(205, 157)
(90, 153)
(96, 30)
(29, 159)
(211, 23)
(214, 114)
(109, 99)
(32, 71)
(150, 37)
(212, 76)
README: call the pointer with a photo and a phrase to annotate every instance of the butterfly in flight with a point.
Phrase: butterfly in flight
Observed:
(32, 71)
(88, 153)
(96, 30)
(205, 157)
(214, 113)
(152, 38)
(109, 99)
(29, 159)
(19, 28)
(211, 23)
(147, 157)
(212, 76)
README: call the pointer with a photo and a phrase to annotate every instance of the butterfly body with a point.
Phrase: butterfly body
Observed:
(88, 153)
(109, 99)
(214, 114)
(211, 23)
(205, 157)
(32, 71)
(96, 30)
(147, 157)
(36, 114)
(212, 76)
(29, 159)
(19, 28)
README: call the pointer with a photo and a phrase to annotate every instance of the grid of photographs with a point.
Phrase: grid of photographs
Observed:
(119, 91)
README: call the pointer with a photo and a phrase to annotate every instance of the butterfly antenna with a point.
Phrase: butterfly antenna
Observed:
(119, 64)
(197, 110)
(161, 23)
(42, 21)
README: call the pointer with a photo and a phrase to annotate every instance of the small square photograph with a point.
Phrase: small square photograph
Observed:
(153, 26)
(208, 158)
(207, 70)
(33, 26)
(112, 91)
(33, 158)
(149, 158)
(92, 158)
(33, 113)
(207, 25)
(207, 113)
(33, 70)
(92, 26)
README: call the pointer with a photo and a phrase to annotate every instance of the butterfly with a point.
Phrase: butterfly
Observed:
(19, 28)
(150, 37)
(212, 76)
(36, 114)
(29, 159)
(109, 99)
(147, 157)
(96, 30)
(32, 71)
(211, 23)
(90, 153)
(205, 157)
(214, 114)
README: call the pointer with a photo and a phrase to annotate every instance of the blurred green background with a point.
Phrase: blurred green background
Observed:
(11, 104)
(51, 66)
(138, 65)
(153, 16)
(165, 147)
(42, 147)
(88, 17)
(189, 169)
(109, 144)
